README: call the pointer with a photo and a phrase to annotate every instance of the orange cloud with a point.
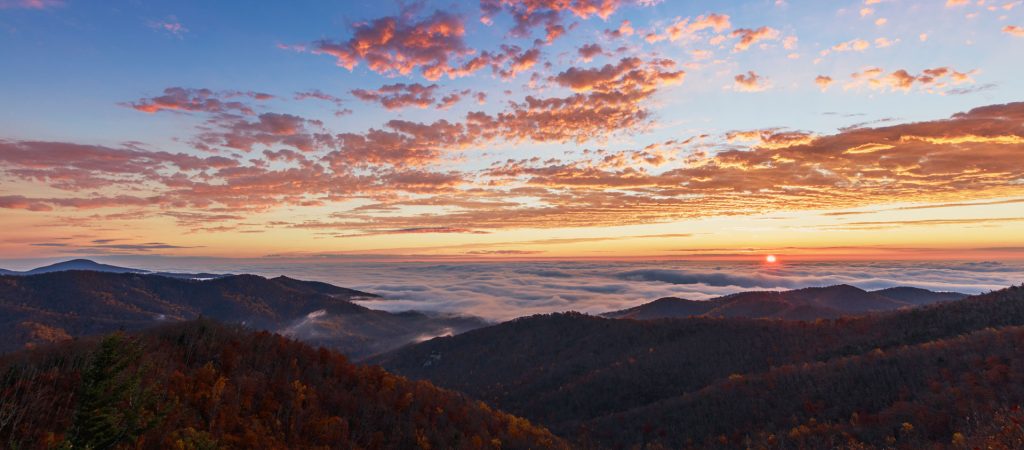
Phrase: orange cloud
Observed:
(197, 100)
(607, 100)
(771, 139)
(749, 82)
(392, 160)
(686, 27)
(530, 14)
(870, 147)
(625, 29)
(268, 129)
(589, 51)
(1014, 30)
(506, 63)
(582, 80)
(823, 82)
(399, 95)
(972, 154)
(857, 45)
(402, 143)
(750, 37)
(520, 62)
(20, 202)
(400, 45)
(936, 80)
(76, 167)
(969, 154)
(452, 98)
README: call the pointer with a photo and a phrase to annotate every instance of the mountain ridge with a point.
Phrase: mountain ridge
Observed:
(811, 303)
(568, 371)
(93, 266)
(69, 303)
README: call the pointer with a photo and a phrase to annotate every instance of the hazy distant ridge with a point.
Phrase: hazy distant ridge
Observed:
(86, 264)
(800, 304)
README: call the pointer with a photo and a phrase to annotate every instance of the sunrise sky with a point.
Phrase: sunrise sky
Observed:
(872, 129)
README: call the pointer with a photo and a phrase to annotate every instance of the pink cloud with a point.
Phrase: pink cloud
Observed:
(687, 27)
(972, 153)
(76, 167)
(399, 95)
(30, 4)
(398, 45)
(750, 37)
(268, 129)
(749, 82)
(936, 80)
(529, 14)
(588, 51)
(196, 100)
(170, 25)
(316, 94)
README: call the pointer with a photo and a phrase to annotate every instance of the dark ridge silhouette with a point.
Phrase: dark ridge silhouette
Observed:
(918, 296)
(80, 264)
(199, 385)
(800, 304)
(86, 264)
(626, 383)
(58, 305)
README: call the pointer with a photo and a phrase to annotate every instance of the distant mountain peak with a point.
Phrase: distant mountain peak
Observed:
(93, 266)
(81, 264)
(79, 261)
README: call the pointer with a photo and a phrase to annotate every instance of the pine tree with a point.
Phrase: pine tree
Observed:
(113, 405)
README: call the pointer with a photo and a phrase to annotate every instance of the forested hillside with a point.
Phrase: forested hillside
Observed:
(52, 307)
(799, 304)
(628, 382)
(201, 385)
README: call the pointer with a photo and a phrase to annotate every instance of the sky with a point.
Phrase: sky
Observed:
(512, 129)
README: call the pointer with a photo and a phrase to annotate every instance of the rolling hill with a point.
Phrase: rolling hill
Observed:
(629, 382)
(202, 385)
(58, 305)
(800, 304)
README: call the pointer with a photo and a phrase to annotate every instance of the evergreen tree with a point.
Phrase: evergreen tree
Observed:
(113, 404)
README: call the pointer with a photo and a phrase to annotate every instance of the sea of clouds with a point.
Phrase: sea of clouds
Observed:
(505, 290)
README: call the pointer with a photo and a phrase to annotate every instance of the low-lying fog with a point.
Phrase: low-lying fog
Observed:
(505, 290)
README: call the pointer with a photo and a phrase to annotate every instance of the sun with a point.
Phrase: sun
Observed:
(770, 259)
